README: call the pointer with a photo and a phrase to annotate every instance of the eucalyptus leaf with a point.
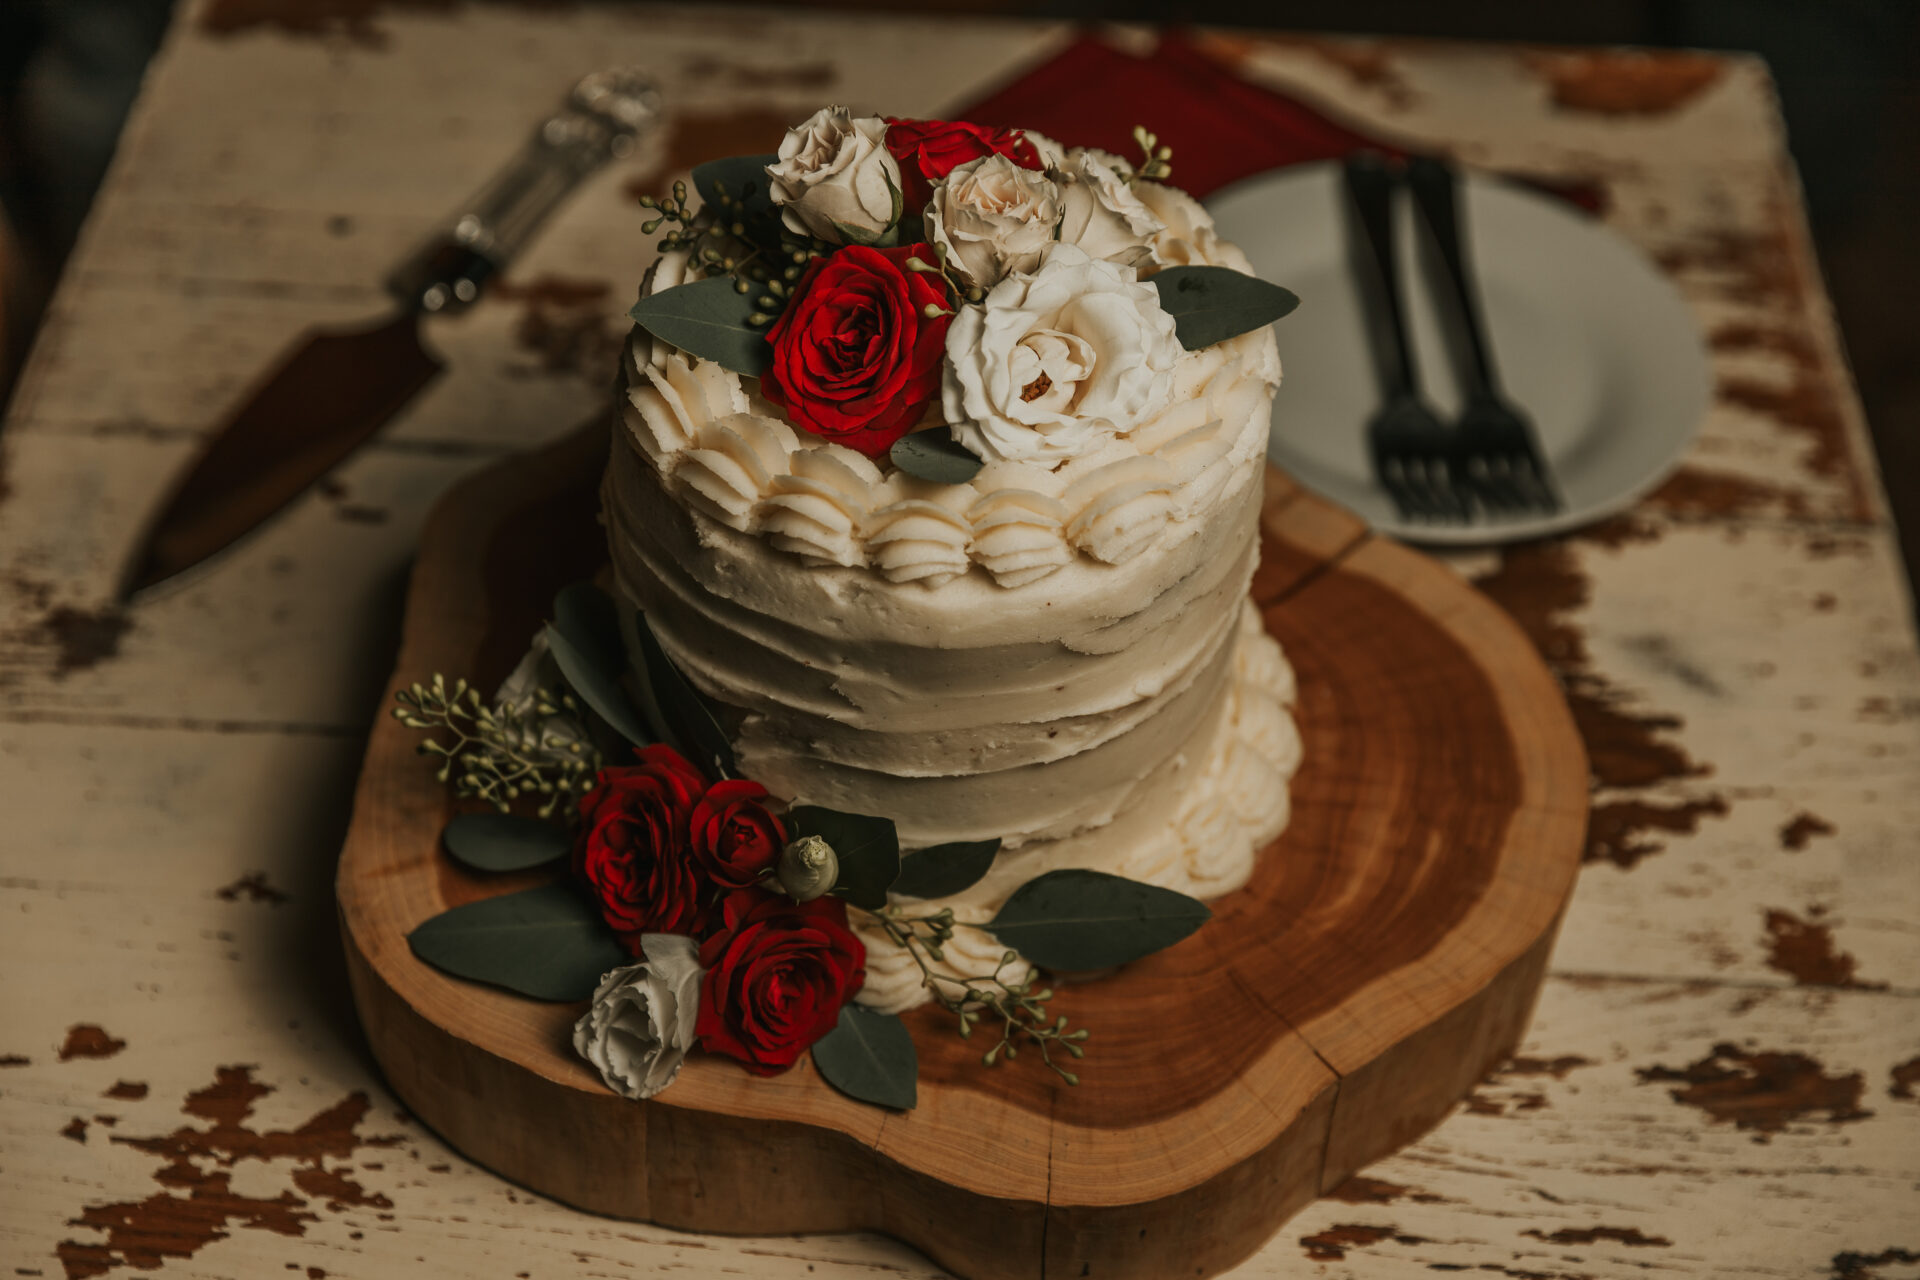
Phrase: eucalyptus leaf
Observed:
(868, 850)
(708, 319)
(869, 1056)
(1212, 304)
(548, 943)
(584, 639)
(503, 841)
(686, 713)
(943, 869)
(1077, 919)
(742, 175)
(935, 455)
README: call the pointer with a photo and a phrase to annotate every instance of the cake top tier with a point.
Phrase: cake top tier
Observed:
(917, 345)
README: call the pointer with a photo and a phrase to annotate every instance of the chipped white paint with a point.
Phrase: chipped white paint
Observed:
(266, 182)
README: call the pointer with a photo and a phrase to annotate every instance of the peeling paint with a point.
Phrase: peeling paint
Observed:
(1761, 1091)
(127, 1091)
(142, 1234)
(1620, 83)
(82, 638)
(254, 887)
(86, 1040)
(1540, 584)
(1905, 1076)
(1797, 834)
(1332, 1244)
(1803, 949)
(565, 325)
(1866, 1266)
(1593, 1235)
(698, 136)
(1555, 1067)
(1360, 1189)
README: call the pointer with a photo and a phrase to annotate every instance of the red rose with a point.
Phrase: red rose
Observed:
(855, 356)
(735, 836)
(632, 847)
(928, 150)
(777, 973)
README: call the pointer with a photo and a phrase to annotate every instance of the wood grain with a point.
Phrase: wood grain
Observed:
(1385, 956)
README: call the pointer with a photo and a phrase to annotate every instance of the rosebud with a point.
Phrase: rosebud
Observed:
(808, 867)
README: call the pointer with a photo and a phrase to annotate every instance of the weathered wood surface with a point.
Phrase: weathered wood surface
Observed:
(1722, 1074)
(1417, 933)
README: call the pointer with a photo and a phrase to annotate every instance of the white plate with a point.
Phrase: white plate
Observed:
(1588, 337)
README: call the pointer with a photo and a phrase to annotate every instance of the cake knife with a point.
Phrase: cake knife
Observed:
(337, 387)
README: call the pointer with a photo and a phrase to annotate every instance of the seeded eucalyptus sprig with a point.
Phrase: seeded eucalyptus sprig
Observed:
(1020, 1010)
(722, 237)
(502, 751)
(1157, 165)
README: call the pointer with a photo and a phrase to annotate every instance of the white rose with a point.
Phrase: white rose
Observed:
(1100, 212)
(1052, 155)
(835, 179)
(1056, 362)
(641, 1025)
(1187, 238)
(993, 217)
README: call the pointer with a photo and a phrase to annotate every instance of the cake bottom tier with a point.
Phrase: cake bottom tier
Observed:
(1197, 829)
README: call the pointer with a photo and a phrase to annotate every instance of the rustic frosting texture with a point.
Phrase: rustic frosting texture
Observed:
(1059, 655)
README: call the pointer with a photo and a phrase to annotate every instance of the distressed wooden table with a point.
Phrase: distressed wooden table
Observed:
(1723, 1076)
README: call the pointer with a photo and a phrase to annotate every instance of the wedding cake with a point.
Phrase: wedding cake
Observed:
(965, 541)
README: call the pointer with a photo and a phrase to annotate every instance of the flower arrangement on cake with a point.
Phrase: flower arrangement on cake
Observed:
(895, 356)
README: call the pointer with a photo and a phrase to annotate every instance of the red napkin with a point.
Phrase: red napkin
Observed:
(1221, 128)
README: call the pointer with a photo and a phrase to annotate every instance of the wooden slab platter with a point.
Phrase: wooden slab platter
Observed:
(1385, 955)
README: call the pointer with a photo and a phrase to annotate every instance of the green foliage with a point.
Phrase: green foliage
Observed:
(549, 943)
(869, 1056)
(1019, 1011)
(687, 716)
(1079, 919)
(584, 639)
(710, 319)
(933, 454)
(945, 869)
(503, 841)
(501, 753)
(1212, 304)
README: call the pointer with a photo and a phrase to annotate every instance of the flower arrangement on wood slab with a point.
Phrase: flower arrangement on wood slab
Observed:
(695, 910)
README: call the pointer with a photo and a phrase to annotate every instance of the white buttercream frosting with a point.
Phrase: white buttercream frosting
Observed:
(723, 449)
(1201, 838)
(1057, 653)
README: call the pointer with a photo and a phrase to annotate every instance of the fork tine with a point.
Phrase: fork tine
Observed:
(1533, 475)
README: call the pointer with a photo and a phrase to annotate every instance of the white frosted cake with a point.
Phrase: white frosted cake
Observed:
(1057, 652)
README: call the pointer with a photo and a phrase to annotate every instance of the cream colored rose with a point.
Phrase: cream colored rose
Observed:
(641, 1024)
(836, 179)
(1055, 363)
(1100, 212)
(993, 217)
(1187, 237)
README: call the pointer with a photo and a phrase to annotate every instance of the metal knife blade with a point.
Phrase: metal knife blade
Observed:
(339, 387)
(324, 400)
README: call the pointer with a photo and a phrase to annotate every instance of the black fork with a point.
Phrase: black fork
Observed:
(1498, 456)
(1414, 454)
